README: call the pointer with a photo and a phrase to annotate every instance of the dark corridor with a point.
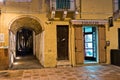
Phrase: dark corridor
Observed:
(24, 42)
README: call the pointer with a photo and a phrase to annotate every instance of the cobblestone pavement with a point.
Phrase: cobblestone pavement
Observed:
(96, 72)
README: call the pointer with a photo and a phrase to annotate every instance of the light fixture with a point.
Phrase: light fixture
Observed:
(76, 12)
(64, 14)
(53, 13)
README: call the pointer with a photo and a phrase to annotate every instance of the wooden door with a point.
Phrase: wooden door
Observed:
(79, 48)
(62, 42)
(102, 39)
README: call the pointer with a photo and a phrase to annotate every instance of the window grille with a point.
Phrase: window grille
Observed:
(62, 4)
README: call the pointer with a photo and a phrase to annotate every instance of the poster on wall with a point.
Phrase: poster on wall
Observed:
(1, 37)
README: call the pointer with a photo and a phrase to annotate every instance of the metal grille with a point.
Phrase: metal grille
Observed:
(63, 4)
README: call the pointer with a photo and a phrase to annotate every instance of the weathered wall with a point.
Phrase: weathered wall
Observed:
(96, 9)
(4, 61)
(23, 7)
(50, 45)
(39, 47)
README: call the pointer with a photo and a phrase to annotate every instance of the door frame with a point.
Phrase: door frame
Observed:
(94, 58)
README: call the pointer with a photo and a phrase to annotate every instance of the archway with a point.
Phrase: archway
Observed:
(24, 27)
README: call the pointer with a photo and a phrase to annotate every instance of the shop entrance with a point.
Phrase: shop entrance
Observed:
(90, 44)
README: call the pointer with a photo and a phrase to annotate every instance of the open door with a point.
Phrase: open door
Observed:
(90, 44)
(79, 48)
(102, 49)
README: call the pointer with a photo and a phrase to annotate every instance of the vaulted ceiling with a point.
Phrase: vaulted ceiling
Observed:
(26, 22)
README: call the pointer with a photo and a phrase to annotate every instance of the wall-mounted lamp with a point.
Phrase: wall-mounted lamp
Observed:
(76, 12)
(110, 21)
(52, 14)
(64, 14)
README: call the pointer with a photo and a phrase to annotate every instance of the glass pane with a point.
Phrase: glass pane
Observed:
(89, 52)
(88, 29)
(88, 38)
(88, 45)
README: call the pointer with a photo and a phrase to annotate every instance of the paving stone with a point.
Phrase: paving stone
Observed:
(98, 72)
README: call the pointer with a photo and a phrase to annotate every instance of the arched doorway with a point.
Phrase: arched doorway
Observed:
(25, 30)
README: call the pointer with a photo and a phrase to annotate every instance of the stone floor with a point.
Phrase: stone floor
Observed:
(96, 72)
(26, 62)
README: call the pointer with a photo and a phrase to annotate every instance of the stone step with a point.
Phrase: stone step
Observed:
(63, 63)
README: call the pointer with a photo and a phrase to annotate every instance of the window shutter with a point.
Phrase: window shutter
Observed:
(102, 39)
(79, 49)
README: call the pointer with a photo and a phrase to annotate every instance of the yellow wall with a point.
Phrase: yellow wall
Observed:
(112, 36)
(96, 9)
(50, 45)
(23, 7)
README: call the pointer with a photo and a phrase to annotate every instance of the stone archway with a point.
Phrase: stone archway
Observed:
(27, 22)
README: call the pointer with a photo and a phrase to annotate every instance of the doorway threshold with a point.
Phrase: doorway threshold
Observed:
(63, 63)
(89, 62)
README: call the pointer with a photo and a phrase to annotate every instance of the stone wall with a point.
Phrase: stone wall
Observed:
(4, 59)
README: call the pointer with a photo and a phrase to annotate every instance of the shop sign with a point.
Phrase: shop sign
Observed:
(89, 22)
